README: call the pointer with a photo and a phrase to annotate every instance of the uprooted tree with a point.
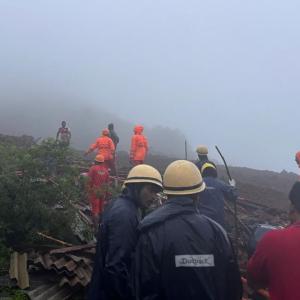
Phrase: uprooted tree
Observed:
(38, 185)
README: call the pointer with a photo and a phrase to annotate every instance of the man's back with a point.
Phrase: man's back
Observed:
(98, 175)
(276, 262)
(139, 146)
(105, 146)
(183, 255)
(211, 202)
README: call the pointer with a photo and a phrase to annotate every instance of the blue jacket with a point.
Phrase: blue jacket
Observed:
(211, 200)
(182, 255)
(117, 239)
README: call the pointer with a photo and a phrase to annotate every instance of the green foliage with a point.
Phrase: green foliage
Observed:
(13, 294)
(19, 295)
(37, 186)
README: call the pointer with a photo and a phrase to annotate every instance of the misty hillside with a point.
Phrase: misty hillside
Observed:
(264, 187)
(86, 123)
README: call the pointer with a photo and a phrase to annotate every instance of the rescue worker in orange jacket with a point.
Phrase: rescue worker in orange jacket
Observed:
(105, 147)
(297, 158)
(139, 146)
(98, 188)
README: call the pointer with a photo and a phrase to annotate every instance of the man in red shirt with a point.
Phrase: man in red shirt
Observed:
(98, 187)
(276, 262)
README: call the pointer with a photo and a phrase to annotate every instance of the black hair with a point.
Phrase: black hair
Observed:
(294, 195)
(210, 172)
(111, 126)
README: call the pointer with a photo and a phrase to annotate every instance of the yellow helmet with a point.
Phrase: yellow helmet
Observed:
(99, 158)
(182, 177)
(202, 150)
(207, 165)
(144, 174)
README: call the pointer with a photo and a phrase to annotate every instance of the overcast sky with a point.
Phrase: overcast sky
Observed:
(223, 72)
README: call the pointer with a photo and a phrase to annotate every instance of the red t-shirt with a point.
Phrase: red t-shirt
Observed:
(276, 263)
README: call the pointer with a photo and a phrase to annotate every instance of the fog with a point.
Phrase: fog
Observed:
(86, 123)
(215, 72)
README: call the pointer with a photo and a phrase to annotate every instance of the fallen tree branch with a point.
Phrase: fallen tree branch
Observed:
(54, 240)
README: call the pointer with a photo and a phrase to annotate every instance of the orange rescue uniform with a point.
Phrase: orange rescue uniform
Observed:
(105, 146)
(97, 187)
(139, 146)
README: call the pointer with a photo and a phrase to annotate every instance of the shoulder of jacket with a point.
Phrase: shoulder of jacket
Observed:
(153, 218)
(218, 228)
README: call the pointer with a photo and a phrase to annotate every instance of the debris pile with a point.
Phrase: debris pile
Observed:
(72, 265)
(57, 273)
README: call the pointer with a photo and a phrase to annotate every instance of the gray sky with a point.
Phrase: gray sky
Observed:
(223, 72)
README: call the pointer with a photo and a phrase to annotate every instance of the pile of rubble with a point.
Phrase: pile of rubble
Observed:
(56, 274)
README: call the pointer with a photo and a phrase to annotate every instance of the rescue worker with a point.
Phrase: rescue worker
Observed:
(98, 181)
(202, 152)
(212, 200)
(297, 158)
(113, 135)
(181, 254)
(64, 134)
(117, 235)
(105, 147)
(139, 146)
(275, 263)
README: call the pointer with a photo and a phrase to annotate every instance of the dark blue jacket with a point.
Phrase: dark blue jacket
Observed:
(117, 239)
(182, 255)
(211, 200)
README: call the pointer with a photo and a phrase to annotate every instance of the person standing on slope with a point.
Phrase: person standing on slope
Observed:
(105, 147)
(212, 200)
(139, 146)
(98, 180)
(202, 152)
(113, 135)
(64, 134)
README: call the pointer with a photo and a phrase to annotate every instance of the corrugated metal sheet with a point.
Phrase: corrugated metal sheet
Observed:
(62, 271)
(50, 292)
(18, 269)
(72, 265)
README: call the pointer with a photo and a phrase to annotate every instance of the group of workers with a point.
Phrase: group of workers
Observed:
(105, 165)
(175, 252)
(181, 249)
(106, 145)
(105, 161)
